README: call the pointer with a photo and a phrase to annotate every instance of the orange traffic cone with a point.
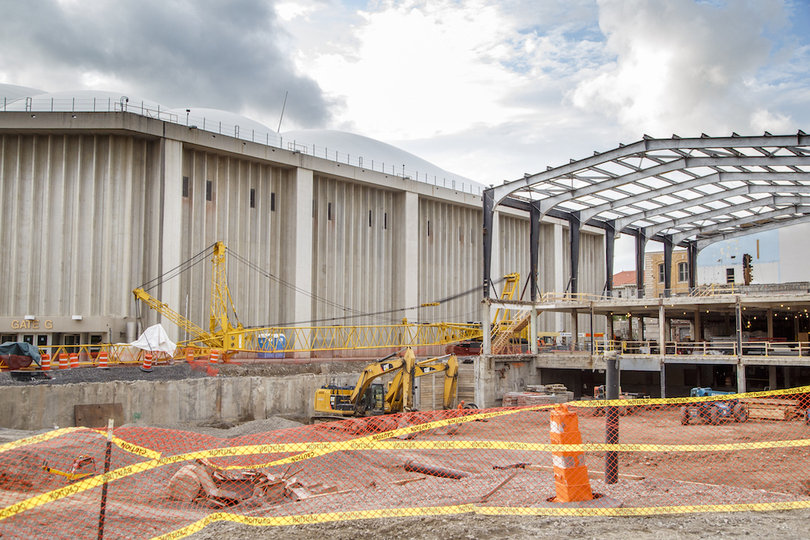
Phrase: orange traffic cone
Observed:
(63, 361)
(213, 360)
(147, 363)
(74, 361)
(570, 472)
(102, 360)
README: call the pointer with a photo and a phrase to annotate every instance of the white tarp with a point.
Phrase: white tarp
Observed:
(155, 339)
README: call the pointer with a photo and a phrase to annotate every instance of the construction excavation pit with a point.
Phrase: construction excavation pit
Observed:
(526, 469)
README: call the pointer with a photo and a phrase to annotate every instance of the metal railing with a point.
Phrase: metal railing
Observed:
(717, 348)
(268, 138)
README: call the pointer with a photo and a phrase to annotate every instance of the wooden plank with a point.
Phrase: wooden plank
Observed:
(96, 416)
(770, 413)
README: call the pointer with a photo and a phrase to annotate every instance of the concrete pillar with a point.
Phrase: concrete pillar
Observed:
(484, 366)
(300, 260)
(486, 321)
(171, 182)
(533, 329)
(662, 349)
(485, 381)
(697, 332)
(771, 377)
(770, 322)
(574, 329)
(409, 247)
(741, 383)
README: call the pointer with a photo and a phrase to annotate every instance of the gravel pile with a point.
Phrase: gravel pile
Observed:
(117, 373)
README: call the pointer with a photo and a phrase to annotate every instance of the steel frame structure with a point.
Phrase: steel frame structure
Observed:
(686, 192)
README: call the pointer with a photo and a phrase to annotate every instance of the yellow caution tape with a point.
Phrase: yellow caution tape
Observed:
(135, 449)
(42, 437)
(36, 439)
(371, 442)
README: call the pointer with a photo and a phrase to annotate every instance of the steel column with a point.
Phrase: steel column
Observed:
(691, 256)
(667, 265)
(610, 242)
(641, 242)
(489, 211)
(534, 248)
(573, 230)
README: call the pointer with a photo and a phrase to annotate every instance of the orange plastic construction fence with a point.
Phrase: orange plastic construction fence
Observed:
(719, 453)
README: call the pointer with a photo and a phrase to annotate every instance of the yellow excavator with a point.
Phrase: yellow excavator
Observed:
(366, 399)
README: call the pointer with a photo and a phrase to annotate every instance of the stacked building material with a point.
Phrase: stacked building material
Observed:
(538, 394)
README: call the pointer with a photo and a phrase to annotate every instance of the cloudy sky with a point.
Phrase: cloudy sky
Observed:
(486, 89)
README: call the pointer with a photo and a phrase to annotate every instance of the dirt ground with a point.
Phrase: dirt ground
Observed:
(789, 525)
(649, 479)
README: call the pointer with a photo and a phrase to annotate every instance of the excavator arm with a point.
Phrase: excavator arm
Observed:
(388, 365)
(448, 364)
(397, 391)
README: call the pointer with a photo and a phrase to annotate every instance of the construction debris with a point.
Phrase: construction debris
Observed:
(499, 486)
(412, 466)
(205, 484)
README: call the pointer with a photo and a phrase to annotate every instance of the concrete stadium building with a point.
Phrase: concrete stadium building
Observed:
(104, 193)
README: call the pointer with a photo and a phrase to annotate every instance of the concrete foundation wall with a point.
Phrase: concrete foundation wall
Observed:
(227, 399)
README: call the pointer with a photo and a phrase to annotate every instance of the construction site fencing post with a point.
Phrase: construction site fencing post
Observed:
(107, 458)
(612, 420)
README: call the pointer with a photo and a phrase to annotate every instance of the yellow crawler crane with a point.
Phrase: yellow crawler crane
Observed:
(365, 398)
(224, 335)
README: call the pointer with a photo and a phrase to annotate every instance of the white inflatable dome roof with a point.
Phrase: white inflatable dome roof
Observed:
(12, 92)
(376, 154)
(84, 101)
(226, 123)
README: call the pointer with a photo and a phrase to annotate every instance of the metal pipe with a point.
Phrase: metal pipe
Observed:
(612, 421)
(412, 466)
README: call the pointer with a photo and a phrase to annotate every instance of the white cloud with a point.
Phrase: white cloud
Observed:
(423, 69)
(288, 11)
(679, 66)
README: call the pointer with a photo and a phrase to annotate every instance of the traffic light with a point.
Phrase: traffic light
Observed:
(748, 269)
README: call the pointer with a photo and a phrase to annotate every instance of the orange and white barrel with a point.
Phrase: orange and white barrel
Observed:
(147, 362)
(63, 361)
(74, 361)
(102, 360)
(45, 362)
(570, 472)
(189, 355)
(213, 358)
